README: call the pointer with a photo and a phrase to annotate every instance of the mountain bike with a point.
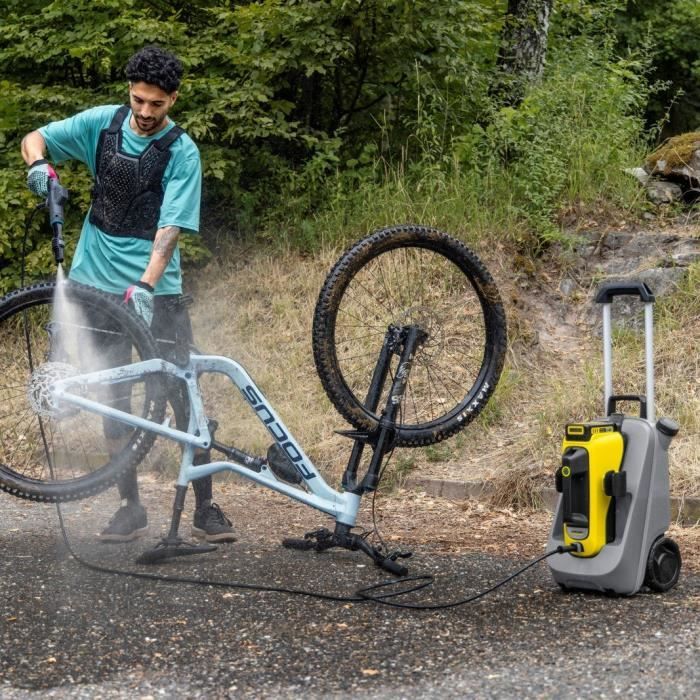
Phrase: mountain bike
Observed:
(409, 339)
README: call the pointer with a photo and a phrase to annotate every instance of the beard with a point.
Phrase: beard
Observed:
(149, 125)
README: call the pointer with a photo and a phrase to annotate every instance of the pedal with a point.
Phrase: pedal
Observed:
(281, 466)
(316, 539)
(296, 543)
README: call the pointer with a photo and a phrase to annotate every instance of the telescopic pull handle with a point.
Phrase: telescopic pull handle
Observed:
(605, 296)
(616, 289)
(58, 196)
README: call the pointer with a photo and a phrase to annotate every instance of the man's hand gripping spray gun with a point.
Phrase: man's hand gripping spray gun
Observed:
(57, 197)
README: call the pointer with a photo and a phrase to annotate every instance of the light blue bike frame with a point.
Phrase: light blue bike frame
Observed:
(318, 494)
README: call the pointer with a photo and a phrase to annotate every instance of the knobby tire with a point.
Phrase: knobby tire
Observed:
(32, 446)
(406, 275)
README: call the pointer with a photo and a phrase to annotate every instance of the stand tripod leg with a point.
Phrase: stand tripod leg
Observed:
(172, 545)
(178, 507)
(323, 539)
(342, 537)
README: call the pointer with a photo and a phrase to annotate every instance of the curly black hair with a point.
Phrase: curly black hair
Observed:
(155, 66)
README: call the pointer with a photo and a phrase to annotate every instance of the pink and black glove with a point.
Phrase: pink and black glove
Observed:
(140, 298)
(40, 172)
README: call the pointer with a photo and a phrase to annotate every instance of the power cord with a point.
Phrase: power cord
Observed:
(362, 595)
(367, 593)
(193, 580)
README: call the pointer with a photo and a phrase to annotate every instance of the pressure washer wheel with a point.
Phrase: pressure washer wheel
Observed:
(663, 565)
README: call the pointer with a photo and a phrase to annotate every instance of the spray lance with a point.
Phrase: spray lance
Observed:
(58, 196)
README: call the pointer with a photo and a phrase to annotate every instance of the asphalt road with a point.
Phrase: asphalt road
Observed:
(67, 631)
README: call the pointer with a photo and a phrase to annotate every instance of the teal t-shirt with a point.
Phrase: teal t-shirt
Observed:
(113, 263)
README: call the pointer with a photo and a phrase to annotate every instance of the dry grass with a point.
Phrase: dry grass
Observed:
(258, 309)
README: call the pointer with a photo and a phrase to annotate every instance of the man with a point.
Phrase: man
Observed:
(147, 190)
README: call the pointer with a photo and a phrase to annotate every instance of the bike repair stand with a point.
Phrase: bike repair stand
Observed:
(172, 545)
(397, 341)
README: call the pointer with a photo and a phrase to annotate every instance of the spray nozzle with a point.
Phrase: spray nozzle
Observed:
(57, 246)
(58, 196)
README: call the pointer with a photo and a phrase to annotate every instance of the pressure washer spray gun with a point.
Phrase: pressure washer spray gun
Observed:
(58, 196)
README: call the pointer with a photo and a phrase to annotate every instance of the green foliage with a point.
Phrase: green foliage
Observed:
(193, 252)
(573, 134)
(510, 172)
(319, 118)
(277, 94)
(671, 30)
(442, 452)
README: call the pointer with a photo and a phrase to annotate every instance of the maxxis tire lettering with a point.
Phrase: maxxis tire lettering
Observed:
(350, 263)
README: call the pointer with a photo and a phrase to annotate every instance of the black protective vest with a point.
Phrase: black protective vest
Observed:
(128, 191)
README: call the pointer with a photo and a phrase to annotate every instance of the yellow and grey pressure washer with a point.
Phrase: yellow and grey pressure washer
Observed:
(613, 480)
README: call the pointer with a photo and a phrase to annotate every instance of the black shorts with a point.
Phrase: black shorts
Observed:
(172, 330)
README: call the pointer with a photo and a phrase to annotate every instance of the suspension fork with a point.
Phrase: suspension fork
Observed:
(404, 342)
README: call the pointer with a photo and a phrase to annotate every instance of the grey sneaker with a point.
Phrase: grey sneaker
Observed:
(127, 524)
(211, 524)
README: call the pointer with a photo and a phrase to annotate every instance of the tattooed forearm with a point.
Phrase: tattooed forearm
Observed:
(164, 246)
(166, 241)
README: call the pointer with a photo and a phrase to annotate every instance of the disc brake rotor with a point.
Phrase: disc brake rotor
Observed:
(40, 390)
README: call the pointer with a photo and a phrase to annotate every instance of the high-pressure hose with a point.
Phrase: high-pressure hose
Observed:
(57, 197)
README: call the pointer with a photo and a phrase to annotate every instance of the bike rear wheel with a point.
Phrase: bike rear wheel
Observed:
(61, 453)
(401, 276)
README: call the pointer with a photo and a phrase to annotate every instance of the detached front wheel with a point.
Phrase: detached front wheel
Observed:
(398, 277)
(51, 452)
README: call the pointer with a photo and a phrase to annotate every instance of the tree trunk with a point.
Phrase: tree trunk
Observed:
(523, 48)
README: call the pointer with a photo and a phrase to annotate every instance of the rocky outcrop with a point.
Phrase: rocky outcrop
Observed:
(661, 258)
(672, 172)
